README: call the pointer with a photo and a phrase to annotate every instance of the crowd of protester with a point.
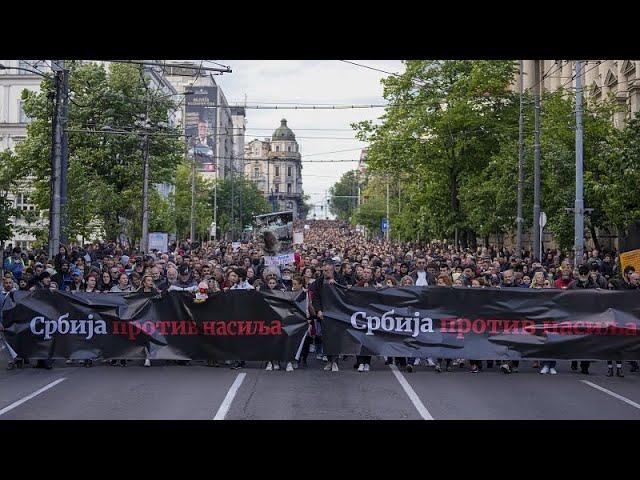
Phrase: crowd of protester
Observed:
(332, 252)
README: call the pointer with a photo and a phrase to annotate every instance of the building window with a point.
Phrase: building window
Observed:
(277, 171)
(289, 169)
(256, 171)
(277, 148)
(288, 188)
(289, 148)
(23, 116)
(22, 203)
(277, 187)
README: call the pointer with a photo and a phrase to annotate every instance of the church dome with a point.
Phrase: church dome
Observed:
(283, 132)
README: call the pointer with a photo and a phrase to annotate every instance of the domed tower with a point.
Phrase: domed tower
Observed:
(285, 171)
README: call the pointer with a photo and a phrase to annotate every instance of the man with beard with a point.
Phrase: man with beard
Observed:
(421, 277)
(63, 278)
(404, 271)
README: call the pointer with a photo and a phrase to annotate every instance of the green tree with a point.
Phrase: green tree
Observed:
(7, 185)
(443, 132)
(182, 200)
(347, 186)
(108, 166)
(253, 203)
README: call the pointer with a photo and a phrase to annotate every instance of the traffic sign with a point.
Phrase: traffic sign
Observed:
(543, 219)
(384, 225)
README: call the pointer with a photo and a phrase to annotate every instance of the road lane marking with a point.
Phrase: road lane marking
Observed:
(226, 403)
(30, 396)
(422, 410)
(613, 394)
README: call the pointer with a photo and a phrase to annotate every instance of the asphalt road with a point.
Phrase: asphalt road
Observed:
(198, 392)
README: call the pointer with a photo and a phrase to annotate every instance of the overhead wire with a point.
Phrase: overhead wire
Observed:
(420, 83)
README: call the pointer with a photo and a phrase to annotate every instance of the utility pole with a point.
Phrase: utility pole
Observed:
(215, 203)
(388, 220)
(536, 160)
(64, 155)
(192, 231)
(579, 205)
(144, 240)
(233, 200)
(519, 219)
(56, 159)
(241, 195)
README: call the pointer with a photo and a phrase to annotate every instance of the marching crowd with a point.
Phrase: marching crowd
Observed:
(331, 252)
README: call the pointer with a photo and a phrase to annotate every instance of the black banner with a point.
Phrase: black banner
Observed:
(438, 322)
(482, 324)
(237, 325)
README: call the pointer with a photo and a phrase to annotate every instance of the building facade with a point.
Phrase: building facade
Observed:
(601, 78)
(14, 79)
(228, 139)
(274, 165)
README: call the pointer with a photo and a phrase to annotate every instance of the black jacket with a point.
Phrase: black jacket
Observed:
(317, 288)
(431, 280)
(589, 284)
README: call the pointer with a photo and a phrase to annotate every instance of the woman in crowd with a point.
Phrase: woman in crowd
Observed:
(538, 280)
(106, 282)
(123, 285)
(136, 281)
(148, 285)
(92, 283)
(273, 286)
(406, 281)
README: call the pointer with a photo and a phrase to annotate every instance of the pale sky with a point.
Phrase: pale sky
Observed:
(312, 82)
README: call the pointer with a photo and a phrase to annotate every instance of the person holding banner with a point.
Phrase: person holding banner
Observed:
(584, 281)
(8, 287)
(327, 276)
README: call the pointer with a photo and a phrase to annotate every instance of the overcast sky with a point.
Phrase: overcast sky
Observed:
(314, 82)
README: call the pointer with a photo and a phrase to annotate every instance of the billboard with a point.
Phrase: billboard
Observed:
(201, 127)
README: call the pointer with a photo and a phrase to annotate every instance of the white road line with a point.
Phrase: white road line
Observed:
(613, 394)
(226, 403)
(30, 396)
(422, 410)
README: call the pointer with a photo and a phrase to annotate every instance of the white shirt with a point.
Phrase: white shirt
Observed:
(421, 281)
(242, 286)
